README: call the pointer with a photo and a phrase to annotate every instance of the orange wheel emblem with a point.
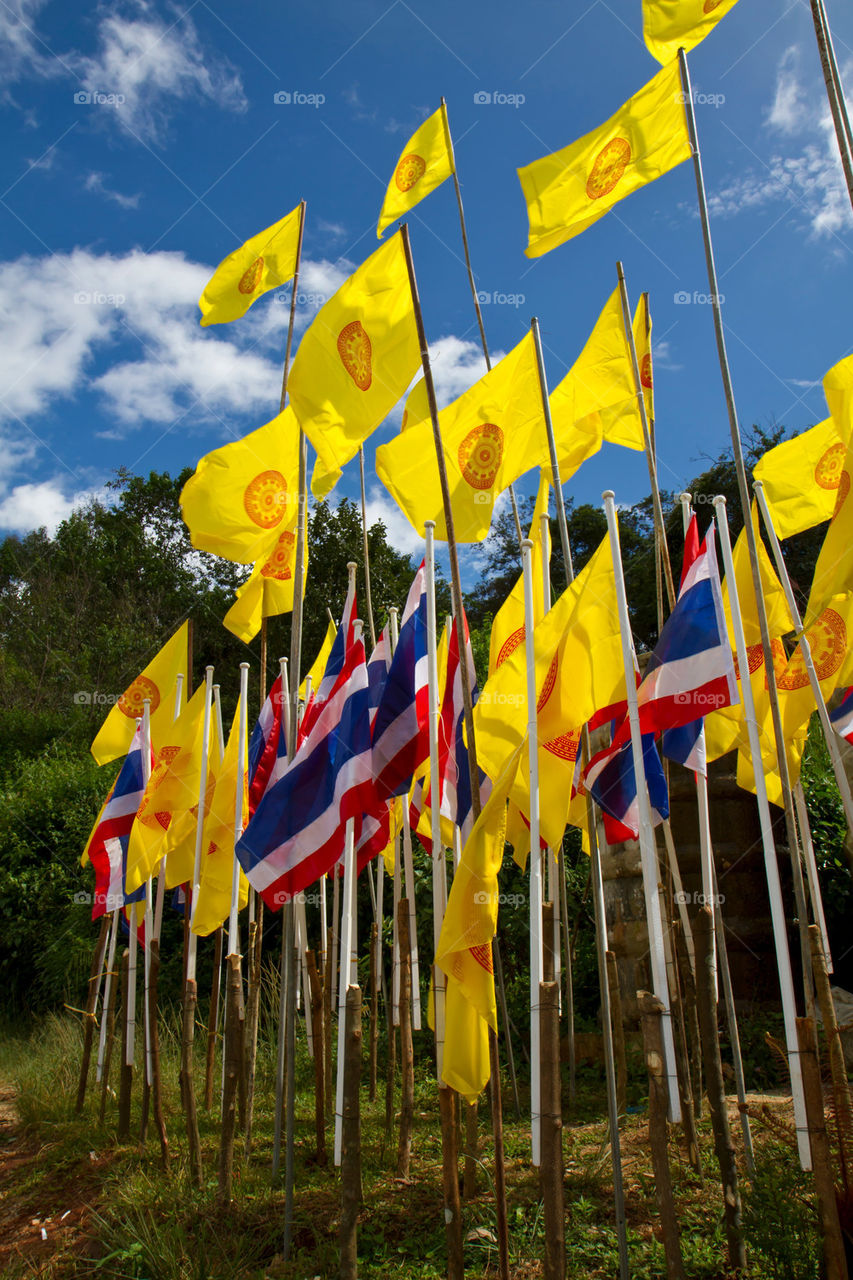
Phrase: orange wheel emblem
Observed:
(754, 658)
(356, 353)
(827, 638)
(278, 565)
(710, 5)
(548, 684)
(829, 469)
(480, 455)
(409, 171)
(610, 164)
(565, 746)
(646, 371)
(510, 645)
(265, 499)
(130, 702)
(251, 278)
(843, 490)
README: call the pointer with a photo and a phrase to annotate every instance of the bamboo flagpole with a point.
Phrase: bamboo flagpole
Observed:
(473, 286)
(456, 590)
(743, 493)
(108, 985)
(537, 973)
(409, 894)
(648, 854)
(805, 650)
(777, 910)
(282, 1005)
(834, 91)
(348, 952)
(242, 730)
(439, 872)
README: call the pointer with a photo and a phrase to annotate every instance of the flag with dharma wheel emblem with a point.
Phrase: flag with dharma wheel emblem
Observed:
(425, 162)
(409, 171)
(266, 261)
(265, 499)
(480, 455)
(132, 701)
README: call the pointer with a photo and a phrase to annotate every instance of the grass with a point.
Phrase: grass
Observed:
(126, 1219)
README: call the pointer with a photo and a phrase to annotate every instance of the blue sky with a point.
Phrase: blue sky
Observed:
(143, 142)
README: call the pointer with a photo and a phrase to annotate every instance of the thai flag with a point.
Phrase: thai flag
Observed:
(263, 745)
(691, 671)
(611, 781)
(686, 744)
(376, 827)
(108, 849)
(297, 832)
(401, 726)
(377, 671)
(453, 768)
(343, 641)
(842, 717)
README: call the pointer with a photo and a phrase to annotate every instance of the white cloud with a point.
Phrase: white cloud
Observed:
(21, 51)
(44, 505)
(401, 536)
(95, 182)
(148, 63)
(790, 103)
(456, 365)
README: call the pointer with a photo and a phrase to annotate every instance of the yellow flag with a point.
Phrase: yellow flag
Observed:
(670, 25)
(268, 590)
(492, 434)
(833, 575)
(416, 408)
(157, 683)
(355, 361)
(464, 950)
(838, 389)
(508, 630)
(801, 478)
(239, 494)
(643, 343)
(172, 789)
(217, 849)
(316, 672)
(427, 159)
(264, 262)
(569, 190)
(578, 657)
(597, 399)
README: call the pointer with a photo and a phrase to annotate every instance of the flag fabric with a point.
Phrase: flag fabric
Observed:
(456, 798)
(263, 744)
(269, 589)
(841, 718)
(833, 573)
(612, 782)
(156, 682)
(686, 743)
(491, 434)
(377, 670)
(244, 493)
(173, 790)
(266, 261)
(401, 722)
(670, 25)
(508, 629)
(319, 665)
(213, 903)
(597, 399)
(425, 162)
(341, 645)
(838, 389)
(464, 951)
(297, 832)
(107, 846)
(829, 638)
(568, 191)
(579, 669)
(801, 478)
(642, 328)
(376, 828)
(355, 361)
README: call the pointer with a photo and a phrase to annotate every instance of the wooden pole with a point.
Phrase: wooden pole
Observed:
(731, 1019)
(407, 1060)
(469, 1182)
(834, 92)
(833, 1241)
(374, 1011)
(351, 1138)
(551, 1167)
(213, 1020)
(456, 588)
(233, 1066)
(837, 1066)
(187, 1088)
(154, 1039)
(450, 1183)
(707, 1007)
(618, 1033)
(316, 1015)
(110, 1016)
(327, 1018)
(89, 1020)
(651, 1010)
(253, 1005)
(126, 1072)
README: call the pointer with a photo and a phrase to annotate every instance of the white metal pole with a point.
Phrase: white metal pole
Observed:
(108, 982)
(537, 963)
(771, 866)
(192, 942)
(242, 730)
(408, 869)
(348, 945)
(648, 852)
(811, 871)
(439, 875)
